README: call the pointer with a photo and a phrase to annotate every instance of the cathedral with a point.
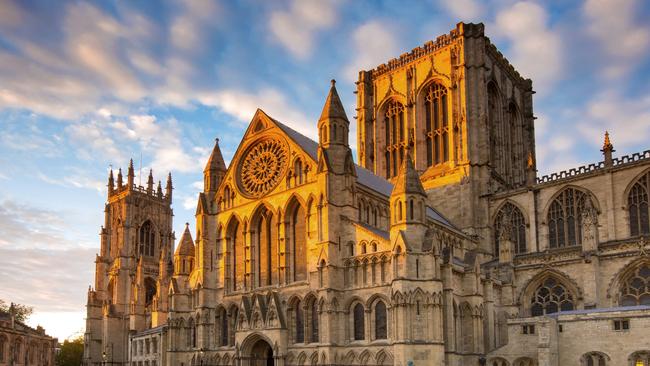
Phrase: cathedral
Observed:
(438, 245)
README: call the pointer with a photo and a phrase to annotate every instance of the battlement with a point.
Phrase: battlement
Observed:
(462, 29)
(122, 188)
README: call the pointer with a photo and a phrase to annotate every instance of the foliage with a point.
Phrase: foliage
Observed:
(22, 312)
(71, 352)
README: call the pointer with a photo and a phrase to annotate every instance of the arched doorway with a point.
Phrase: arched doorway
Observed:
(261, 354)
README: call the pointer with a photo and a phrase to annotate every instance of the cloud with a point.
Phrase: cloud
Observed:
(374, 43)
(622, 36)
(536, 49)
(75, 180)
(296, 28)
(464, 10)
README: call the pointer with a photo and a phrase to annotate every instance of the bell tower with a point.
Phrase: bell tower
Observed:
(136, 235)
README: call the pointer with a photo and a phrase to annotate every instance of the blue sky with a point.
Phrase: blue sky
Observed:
(85, 86)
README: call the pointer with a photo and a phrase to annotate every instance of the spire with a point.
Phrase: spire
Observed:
(150, 182)
(111, 183)
(607, 150)
(119, 179)
(186, 244)
(159, 190)
(408, 179)
(169, 187)
(215, 162)
(333, 108)
(130, 175)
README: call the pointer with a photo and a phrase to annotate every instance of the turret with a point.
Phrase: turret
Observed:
(150, 182)
(111, 183)
(607, 150)
(159, 191)
(184, 254)
(130, 175)
(214, 171)
(169, 187)
(333, 124)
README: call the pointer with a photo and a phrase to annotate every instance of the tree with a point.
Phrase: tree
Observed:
(22, 312)
(71, 352)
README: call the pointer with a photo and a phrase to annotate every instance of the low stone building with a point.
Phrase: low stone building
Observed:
(21, 345)
(147, 348)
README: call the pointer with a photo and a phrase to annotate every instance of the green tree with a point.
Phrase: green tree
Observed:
(71, 352)
(22, 311)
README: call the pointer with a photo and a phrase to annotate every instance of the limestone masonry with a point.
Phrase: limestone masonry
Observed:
(442, 247)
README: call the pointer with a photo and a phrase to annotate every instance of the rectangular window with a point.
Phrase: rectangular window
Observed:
(528, 329)
(621, 324)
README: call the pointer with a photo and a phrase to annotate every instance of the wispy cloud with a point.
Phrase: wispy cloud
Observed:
(374, 43)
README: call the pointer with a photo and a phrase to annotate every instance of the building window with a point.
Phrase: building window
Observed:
(359, 326)
(637, 203)
(528, 329)
(395, 137)
(146, 239)
(565, 218)
(437, 126)
(299, 323)
(622, 324)
(510, 219)
(635, 289)
(314, 322)
(551, 297)
(641, 358)
(381, 323)
(594, 359)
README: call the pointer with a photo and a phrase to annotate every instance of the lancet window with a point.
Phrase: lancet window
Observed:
(146, 239)
(510, 221)
(593, 359)
(359, 322)
(395, 137)
(565, 218)
(437, 124)
(637, 205)
(381, 322)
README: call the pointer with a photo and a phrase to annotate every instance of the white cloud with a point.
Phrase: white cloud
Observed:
(374, 43)
(536, 49)
(296, 27)
(464, 10)
(623, 37)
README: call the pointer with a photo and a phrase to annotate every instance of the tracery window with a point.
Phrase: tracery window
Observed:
(381, 323)
(359, 326)
(510, 215)
(223, 325)
(637, 202)
(146, 239)
(551, 297)
(437, 124)
(297, 172)
(593, 359)
(565, 218)
(635, 289)
(641, 358)
(395, 137)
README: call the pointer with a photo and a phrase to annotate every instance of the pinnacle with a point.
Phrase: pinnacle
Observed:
(333, 107)
(216, 162)
(607, 144)
(408, 179)
(186, 244)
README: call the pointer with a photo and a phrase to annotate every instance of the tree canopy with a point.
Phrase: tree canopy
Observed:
(22, 312)
(71, 352)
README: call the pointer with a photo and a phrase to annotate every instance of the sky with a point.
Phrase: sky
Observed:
(87, 85)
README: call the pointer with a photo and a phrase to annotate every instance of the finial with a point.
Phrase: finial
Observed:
(607, 145)
(216, 141)
(333, 81)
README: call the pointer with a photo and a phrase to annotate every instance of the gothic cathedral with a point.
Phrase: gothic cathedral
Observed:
(439, 246)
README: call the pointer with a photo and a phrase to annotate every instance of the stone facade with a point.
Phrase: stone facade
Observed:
(442, 247)
(21, 345)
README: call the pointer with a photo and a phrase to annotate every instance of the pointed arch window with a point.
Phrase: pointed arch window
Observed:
(359, 326)
(565, 218)
(594, 359)
(381, 323)
(637, 203)
(395, 136)
(299, 323)
(298, 172)
(512, 217)
(314, 322)
(635, 289)
(223, 325)
(437, 124)
(146, 239)
(551, 297)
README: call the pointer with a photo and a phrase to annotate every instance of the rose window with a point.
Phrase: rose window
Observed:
(262, 167)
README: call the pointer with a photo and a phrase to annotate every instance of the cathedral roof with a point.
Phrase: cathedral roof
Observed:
(186, 244)
(408, 179)
(216, 162)
(333, 108)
